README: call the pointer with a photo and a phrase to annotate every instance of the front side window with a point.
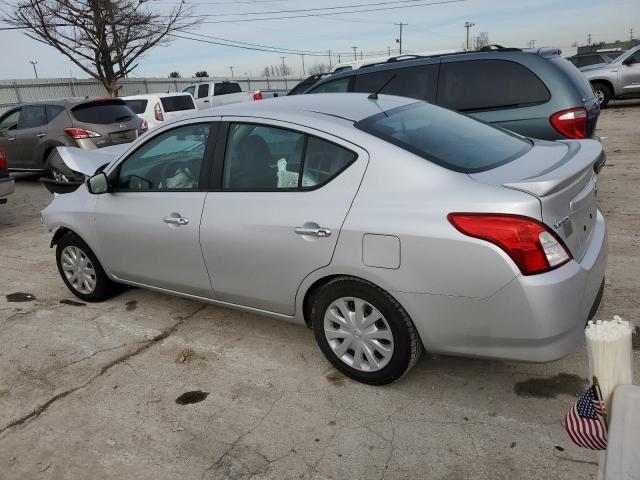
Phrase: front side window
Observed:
(413, 82)
(340, 85)
(260, 157)
(10, 120)
(203, 90)
(477, 85)
(449, 139)
(170, 161)
(33, 116)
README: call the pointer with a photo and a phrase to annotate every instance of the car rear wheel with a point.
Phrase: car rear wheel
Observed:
(603, 94)
(363, 331)
(81, 271)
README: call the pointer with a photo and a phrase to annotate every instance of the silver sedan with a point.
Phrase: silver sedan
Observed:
(386, 224)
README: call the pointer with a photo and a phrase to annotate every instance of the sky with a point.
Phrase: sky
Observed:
(557, 23)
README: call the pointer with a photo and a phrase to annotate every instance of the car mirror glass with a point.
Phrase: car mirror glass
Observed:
(98, 184)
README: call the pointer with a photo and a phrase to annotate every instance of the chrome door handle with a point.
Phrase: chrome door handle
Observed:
(40, 135)
(313, 232)
(10, 139)
(176, 220)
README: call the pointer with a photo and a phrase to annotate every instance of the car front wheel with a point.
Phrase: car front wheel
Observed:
(364, 332)
(603, 94)
(81, 271)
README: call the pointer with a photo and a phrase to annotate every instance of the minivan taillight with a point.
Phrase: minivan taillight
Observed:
(157, 110)
(257, 96)
(572, 123)
(531, 244)
(78, 133)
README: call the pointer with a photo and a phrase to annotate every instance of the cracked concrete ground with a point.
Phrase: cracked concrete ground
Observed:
(88, 391)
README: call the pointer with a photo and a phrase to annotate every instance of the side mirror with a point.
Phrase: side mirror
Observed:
(98, 184)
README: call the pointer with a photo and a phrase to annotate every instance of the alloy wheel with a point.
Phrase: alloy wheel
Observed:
(358, 334)
(599, 96)
(78, 269)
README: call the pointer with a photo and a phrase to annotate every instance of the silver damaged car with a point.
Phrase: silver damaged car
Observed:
(386, 224)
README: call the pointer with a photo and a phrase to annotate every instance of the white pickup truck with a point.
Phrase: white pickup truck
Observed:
(213, 94)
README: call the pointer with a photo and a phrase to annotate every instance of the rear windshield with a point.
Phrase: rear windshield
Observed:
(575, 76)
(446, 138)
(177, 103)
(138, 106)
(225, 88)
(102, 112)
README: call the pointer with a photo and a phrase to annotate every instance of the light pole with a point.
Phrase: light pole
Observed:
(302, 55)
(284, 67)
(35, 70)
(355, 53)
(468, 25)
(231, 67)
(329, 51)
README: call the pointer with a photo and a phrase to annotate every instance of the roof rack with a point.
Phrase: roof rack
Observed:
(498, 48)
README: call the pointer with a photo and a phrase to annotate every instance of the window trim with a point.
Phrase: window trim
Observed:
(205, 168)
(489, 109)
(218, 168)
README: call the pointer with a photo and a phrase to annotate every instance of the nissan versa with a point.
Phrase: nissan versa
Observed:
(386, 224)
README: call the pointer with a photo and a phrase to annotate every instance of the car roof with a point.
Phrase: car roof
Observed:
(147, 96)
(66, 102)
(346, 106)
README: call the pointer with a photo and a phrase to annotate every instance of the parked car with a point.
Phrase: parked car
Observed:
(617, 80)
(535, 93)
(159, 107)
(307, 83)
(7, 184)
(213, 94)
(595, 58)
(30, 133)
(472, 241)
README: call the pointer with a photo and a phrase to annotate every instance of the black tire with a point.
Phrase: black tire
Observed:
(57, 170)
(603, 94)
(407, 345)
(104, 287)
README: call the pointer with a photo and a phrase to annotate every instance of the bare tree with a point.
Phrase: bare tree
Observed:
(318, 68)
(277, 71)
(104, 38)
(482, 40)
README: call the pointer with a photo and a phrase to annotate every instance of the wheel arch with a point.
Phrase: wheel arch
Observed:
(47, 149)
(58, 234)
(606, 83)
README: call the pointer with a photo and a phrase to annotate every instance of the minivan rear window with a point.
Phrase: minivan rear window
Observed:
(138, 106)
(102, 112)
(177, 103)
(446, 138)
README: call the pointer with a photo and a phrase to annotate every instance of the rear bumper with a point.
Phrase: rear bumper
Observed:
(7, 186)
(536, 318)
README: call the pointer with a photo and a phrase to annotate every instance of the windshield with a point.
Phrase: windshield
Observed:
(446, 138)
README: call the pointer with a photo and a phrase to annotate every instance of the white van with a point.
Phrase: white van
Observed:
(155, 108)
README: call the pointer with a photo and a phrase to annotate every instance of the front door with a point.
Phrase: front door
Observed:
(283, 194)
(629, 76)
(148, 226)
(8, 143)
(202, 96)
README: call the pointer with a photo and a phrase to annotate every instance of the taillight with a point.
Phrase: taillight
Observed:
(257, 96)
(157, 110)
(3, 160)
(145, 125)
(571, 123)
(78, 133)
(530, 244)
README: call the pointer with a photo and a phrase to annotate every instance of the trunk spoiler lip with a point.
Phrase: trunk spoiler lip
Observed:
(565, 172)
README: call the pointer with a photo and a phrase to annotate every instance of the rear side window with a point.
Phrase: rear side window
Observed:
(446, 138)
(190, 90)
(102, 112)
(340, 85)
(177, 103)
(53, 111)
(413, 82)
(203, 90)
(225, 88)
(33, 116)
(578, 80)
(323, 161)
(489, 84)
(138, 106)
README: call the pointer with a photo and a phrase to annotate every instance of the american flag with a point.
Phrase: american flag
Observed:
(584, 422)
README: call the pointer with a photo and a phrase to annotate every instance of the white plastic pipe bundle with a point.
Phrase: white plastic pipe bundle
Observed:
(610, 354)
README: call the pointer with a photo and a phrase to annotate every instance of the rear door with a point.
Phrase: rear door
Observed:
(265, 227)
(31, 134)
(8, 145)
(629, 76)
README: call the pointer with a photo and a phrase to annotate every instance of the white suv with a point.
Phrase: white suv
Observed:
(158, 107)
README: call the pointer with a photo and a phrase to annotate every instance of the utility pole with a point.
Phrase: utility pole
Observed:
(631, 34)
(338, 58)
(399, 39)
(302, 56)
(355, 53)
(231, 67)
(588, 39)
(284, 67)
(329, 60)
(360, 54)
(532, 44)
(34, 63)
(389, 51)
(468, 25)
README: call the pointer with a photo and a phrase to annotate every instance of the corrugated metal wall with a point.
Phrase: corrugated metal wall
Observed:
(13, 92)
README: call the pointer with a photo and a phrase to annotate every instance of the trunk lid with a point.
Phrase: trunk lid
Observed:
(562, 176)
